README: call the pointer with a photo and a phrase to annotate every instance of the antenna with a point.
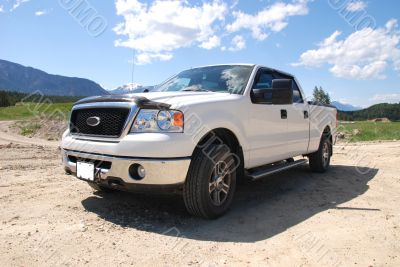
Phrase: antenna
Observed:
(133, 67)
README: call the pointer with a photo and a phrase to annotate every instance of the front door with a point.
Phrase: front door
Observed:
(268, 133)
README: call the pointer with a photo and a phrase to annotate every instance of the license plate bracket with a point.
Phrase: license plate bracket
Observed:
(85, 170)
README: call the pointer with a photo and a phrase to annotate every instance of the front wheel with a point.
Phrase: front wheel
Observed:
(211, 183)
(320, 160)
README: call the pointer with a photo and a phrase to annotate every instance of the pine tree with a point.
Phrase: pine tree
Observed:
(4, 101)
(320, 96)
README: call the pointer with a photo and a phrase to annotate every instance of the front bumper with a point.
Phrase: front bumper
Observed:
(113, 171)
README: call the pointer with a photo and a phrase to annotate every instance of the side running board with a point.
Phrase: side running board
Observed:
(261, 173)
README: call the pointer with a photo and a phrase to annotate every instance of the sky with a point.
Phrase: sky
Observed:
(349, 47)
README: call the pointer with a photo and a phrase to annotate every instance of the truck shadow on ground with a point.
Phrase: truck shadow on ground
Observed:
(260, 210)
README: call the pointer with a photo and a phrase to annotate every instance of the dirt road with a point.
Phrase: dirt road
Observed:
(347, 217)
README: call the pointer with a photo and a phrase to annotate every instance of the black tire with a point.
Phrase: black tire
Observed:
(211, 177)
(100, 188)
(319, 161)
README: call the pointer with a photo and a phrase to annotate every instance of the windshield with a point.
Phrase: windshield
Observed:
(224, 79)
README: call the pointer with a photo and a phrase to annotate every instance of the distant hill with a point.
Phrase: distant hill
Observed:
(344, 107)
(130, 89)
(15, 77)
(390, 111)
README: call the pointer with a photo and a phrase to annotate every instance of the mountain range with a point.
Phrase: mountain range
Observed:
(344, 107)
(15, 77)
(130, 88)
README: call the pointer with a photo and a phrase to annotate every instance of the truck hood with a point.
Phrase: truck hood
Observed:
(187, 98)
(163, 99)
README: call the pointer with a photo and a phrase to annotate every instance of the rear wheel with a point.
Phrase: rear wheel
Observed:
(320, 160)
(211, 182)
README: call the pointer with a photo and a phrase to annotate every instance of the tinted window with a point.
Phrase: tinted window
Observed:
(296, 94)
(226, 79)
(263, 80)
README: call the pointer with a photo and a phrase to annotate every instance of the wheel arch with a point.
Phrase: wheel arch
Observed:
(227, 137)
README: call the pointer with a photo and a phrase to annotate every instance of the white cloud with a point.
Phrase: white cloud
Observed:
(364, 54)
(238, 43)
(387, 98)
(354, 6)
(11, 5)
(146, 58)
(213, 42)
(42, 12)
(331, 39)
(156, 29)
(17, 3)
(273, 18)
(391, 24)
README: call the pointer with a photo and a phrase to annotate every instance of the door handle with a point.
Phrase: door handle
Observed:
(283, 114)
(305, 114)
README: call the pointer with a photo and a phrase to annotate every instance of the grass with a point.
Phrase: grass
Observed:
(370, 131)
(36, 110)
(28, 128)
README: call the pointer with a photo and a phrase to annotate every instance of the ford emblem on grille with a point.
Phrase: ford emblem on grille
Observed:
(93, 121)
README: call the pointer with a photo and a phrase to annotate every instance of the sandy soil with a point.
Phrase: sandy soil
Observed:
(349, 216)
(9, 134)
(50, 130)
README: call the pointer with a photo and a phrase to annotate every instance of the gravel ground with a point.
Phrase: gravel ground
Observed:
(349, 216)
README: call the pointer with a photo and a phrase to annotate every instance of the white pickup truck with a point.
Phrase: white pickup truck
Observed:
(198, 133)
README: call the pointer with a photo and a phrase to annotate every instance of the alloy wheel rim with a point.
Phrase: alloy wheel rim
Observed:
(219, 184)
(325, 154)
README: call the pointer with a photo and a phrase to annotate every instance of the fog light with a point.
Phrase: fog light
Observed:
(141, 171)
(137, 171)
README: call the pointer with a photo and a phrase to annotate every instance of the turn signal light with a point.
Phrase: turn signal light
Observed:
(177, 119)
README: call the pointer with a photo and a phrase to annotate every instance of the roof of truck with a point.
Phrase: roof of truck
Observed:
(245, 64)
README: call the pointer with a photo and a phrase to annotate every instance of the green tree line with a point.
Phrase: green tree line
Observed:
(390, 111)
(8, 98)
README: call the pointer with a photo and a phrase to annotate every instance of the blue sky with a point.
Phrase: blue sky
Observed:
(349, 47)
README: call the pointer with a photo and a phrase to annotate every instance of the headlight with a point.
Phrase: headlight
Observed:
(152, 121)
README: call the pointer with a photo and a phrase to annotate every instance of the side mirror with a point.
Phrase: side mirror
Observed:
(281, 93)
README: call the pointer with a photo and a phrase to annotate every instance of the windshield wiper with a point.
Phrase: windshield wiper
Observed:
(195, 90)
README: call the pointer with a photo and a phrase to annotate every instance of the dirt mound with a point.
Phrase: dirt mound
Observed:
(43, 128)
